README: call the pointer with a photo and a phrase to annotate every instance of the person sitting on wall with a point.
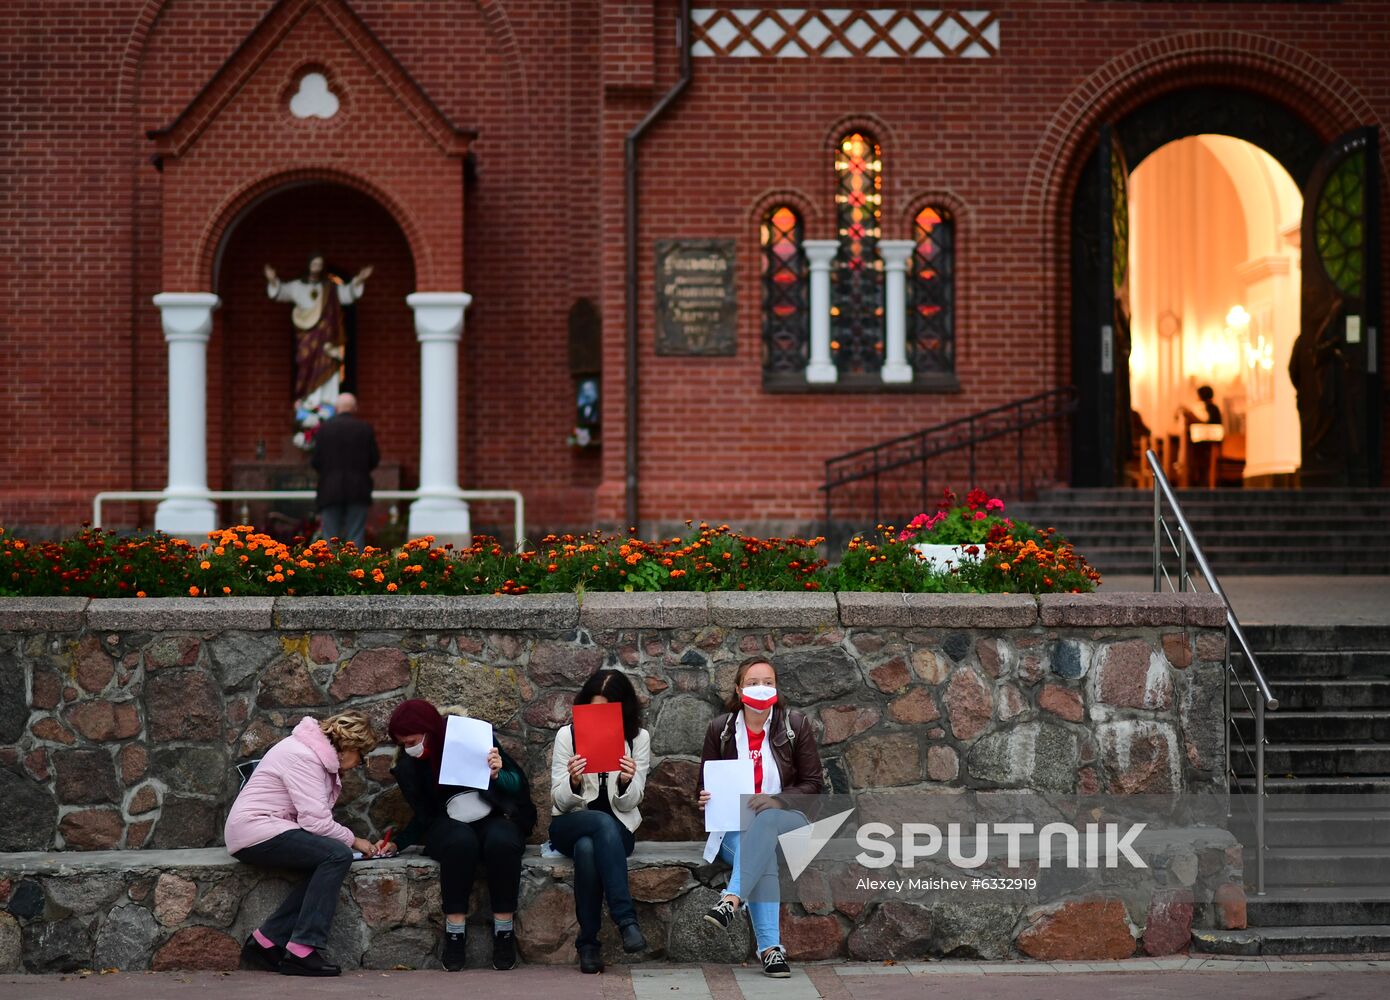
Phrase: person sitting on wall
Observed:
(463, 827)
(786, 761)
(595, 817)
(283, 818)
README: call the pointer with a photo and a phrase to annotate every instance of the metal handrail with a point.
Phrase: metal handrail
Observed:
(959, 434)
(1186, 543)
(515, 498)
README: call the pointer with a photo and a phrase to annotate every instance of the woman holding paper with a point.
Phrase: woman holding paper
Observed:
(778, 746)
(283, 818)
(598, 773)
(462, 826)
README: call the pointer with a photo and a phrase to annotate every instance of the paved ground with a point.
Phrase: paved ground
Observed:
(1159, 979)
(1294, 600)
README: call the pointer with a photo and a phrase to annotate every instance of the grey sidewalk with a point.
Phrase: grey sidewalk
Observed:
(1293, 600)
(1176, 978)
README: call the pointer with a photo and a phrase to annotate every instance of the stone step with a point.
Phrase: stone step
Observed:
(1294, 940)
(1312, 664)
(1317, 906)
(1323, 695)
(1314, 638)
(1321, 785)
(1360, 866)
(1310, 760)
(1316, 727)
(1330, 828)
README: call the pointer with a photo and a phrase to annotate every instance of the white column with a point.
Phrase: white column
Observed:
(186, 510)
(440, 511)
(895, 254)
(819, 255)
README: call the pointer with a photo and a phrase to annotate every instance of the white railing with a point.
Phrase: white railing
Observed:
(512, 496)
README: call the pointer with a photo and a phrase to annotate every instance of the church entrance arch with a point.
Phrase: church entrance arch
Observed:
(258, 439)
(1344, 315)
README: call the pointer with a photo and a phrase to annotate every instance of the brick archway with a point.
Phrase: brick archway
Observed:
(1270, 69)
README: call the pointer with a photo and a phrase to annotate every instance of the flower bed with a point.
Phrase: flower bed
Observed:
(242, 562)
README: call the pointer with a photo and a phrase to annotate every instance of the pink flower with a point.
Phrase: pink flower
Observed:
(980, 515)
(995, 504)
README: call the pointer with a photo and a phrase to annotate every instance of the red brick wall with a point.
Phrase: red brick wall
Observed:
(92, 231)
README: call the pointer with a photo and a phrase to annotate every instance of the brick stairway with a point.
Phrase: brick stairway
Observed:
(1328, 768)
(1241, 531)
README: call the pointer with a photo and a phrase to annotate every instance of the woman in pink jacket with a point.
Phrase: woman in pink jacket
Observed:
(283, 818)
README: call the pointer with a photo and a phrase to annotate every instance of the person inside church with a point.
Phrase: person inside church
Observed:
(1204, 434)
(345, 453)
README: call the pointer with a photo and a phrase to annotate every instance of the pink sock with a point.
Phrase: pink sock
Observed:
(299, 950)
(262, 940)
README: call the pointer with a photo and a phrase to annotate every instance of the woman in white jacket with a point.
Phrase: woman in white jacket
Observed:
(594, 817)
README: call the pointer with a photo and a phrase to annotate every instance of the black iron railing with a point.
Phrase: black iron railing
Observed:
(964, 439)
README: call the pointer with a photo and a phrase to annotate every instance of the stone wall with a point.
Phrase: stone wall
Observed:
(121, 720)
(191, 909)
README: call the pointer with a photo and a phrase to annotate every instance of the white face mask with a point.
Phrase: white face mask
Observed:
(418, 750)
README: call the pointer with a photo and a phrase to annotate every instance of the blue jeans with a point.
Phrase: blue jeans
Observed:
(600, 847)
(753, 855)
(307, 912)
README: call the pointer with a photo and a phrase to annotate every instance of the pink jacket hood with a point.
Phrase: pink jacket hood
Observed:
(295, 786)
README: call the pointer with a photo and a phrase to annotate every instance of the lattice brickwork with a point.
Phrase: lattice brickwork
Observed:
(796, 32)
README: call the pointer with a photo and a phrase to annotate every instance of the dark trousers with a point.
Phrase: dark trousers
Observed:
(600, 847)
(307, 912)
(495, 841)
(346, 522)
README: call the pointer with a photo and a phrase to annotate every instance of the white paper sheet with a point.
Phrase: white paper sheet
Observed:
(727, 781)
(466, 746)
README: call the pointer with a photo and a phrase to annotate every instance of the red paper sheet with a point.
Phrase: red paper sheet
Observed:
(598, 736)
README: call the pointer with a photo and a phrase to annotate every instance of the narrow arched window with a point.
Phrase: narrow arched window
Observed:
(856, 294)
(931, 341)
(785, 346)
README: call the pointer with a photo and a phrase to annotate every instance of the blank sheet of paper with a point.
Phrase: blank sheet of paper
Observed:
(726, 781)
(466, 746)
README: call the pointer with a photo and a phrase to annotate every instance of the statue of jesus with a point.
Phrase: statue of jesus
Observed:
(319, 347)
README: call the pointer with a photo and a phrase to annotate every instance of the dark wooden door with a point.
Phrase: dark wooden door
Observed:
(1335, 361)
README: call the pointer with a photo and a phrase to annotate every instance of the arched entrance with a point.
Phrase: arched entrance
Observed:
(1339, 392)
(251, 352)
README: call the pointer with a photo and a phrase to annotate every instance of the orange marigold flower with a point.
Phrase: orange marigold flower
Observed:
(634, 559)
(551, 568)
(205, 565)
(141, 593)
(392, 588)
(226, 590)
(192, 591)
(219, 551)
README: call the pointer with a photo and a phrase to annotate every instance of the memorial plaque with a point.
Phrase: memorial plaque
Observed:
(695, 304)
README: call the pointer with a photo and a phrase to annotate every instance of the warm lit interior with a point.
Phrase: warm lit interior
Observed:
(1214, 295)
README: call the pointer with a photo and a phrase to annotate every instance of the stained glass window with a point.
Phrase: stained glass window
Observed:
(856, 293)
(785, 340)
(1340, 239)
(931, 342)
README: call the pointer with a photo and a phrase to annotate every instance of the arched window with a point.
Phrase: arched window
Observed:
(856, 294)
(931, 345)
(785, 341)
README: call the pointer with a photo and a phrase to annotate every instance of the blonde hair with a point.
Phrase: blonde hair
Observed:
(349, 731)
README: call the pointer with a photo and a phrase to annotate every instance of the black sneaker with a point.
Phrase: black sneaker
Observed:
(721, 914)
(312, 964)
(454, 954)
(256, 956)
(503, 950)
(633, 939)
(775, 964)
(590, 958)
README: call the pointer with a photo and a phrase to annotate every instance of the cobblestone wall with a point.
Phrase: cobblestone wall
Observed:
(121, 720)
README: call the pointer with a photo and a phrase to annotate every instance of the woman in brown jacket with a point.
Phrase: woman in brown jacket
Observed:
(786, 761)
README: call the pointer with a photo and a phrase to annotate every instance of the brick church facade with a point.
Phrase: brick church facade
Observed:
(930, 163)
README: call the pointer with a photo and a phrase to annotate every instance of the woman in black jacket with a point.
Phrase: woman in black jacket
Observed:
(462, 827)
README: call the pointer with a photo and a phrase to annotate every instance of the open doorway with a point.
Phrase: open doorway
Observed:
(1214, 227)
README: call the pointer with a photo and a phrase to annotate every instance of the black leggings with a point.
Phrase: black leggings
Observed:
(495, 841)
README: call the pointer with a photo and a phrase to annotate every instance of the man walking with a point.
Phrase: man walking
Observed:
(345, 453)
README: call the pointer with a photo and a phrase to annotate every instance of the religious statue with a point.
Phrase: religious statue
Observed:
(319, 345)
